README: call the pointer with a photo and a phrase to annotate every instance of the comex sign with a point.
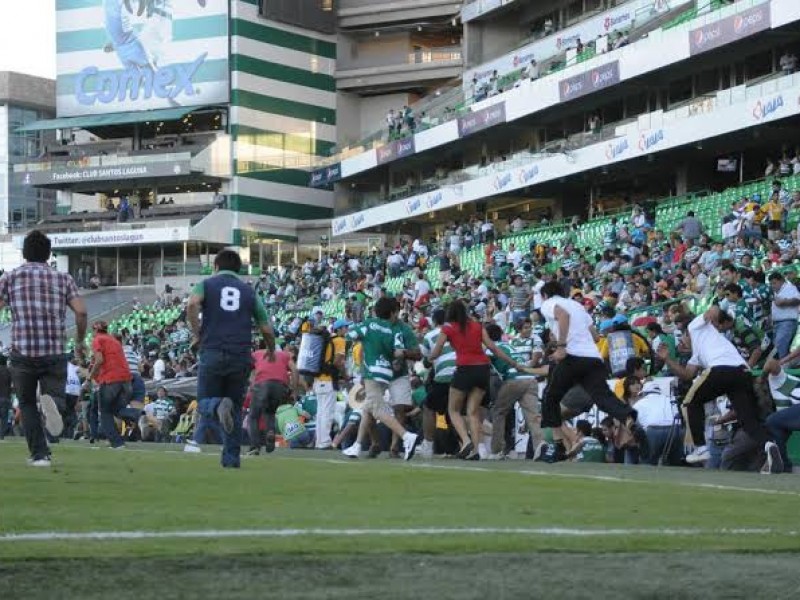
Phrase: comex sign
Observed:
(168, 82)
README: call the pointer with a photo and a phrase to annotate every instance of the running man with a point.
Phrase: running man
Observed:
(229, 307)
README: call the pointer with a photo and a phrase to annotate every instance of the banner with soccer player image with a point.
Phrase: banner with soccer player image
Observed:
(126, 55)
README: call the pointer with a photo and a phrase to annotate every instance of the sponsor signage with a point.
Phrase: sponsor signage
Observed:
(768, 108)
(482, 119)
(396, 149)
(617, 19)
(119, 238)
(589, 81)
(617, 149)
(326, 176)
(118, 55)
(79, 174)
(730, 29)
(650, 140)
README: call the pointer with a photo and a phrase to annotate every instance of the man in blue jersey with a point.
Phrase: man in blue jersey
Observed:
(229, 307)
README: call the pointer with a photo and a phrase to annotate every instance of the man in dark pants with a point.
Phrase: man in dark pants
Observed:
(577, 360)
(110, 370)
(725, 373)
(5, 395)
(38, 296)
(229, 307)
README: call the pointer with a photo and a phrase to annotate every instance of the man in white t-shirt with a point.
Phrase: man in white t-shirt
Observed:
(724, 373)
(159, 369)
(578, 361)
(514, 256)
(422, 290)
(784, 312)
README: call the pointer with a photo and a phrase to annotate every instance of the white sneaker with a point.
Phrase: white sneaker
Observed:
(52, 418)
(409, 445)
(353, 450)
(774, 462)
(425, 449)
(42, 462)
(700, 454)
(192, 447)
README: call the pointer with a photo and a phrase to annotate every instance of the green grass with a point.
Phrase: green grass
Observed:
(148, 489)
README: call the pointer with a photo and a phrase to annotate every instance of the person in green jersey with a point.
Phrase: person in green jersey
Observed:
(382, 343)
(400, 386)
(291, 426)
(517, 387)
(587, 448)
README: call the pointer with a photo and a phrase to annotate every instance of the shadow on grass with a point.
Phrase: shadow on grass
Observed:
(412, 576)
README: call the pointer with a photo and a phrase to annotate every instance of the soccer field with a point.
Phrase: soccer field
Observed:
(151, 521)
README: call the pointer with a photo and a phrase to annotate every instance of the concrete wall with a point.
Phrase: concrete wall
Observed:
(19, 89)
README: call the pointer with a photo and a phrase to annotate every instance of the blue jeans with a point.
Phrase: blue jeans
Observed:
(48, 373)
(207, 419)
(114, 397)
(781, 424)
(657, 440)
(783, 333)
(224, 374)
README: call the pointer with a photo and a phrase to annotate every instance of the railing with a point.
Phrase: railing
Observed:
(577, 141)
(458, 103)
(431, 55)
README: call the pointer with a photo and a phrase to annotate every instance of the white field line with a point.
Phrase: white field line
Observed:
(455, 466)
(53, 536)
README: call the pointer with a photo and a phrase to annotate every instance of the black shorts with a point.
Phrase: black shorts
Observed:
(472, 376)
(438, 394)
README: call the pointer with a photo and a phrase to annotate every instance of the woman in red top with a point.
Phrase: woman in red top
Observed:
(471, 379)
(271, 388)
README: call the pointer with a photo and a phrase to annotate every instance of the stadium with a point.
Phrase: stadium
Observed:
(329, 299)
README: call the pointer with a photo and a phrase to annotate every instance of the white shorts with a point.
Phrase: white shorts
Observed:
(400, 392)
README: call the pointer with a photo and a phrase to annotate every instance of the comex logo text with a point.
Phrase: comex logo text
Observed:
(340, 225)
(167, 82)
(434, 200)
(764, 109)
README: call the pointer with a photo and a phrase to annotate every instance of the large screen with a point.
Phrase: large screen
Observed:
(124, 55)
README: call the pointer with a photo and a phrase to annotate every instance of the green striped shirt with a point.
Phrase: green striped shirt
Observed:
(445, 366)
(379, 340)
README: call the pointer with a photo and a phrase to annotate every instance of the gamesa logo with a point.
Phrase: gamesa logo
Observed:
(764, 109)
(616, 149)
(649, 140)
(170, 82)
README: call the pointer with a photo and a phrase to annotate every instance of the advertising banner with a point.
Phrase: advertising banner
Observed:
(589, 81)
(78, 173)
(396, 149)
(730, 29)
(482, 119)
(617, 19)
(665, 134)
(127, 55)
(326, 176)
(119, 238)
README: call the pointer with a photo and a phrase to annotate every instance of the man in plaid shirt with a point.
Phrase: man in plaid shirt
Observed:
(38, 296)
